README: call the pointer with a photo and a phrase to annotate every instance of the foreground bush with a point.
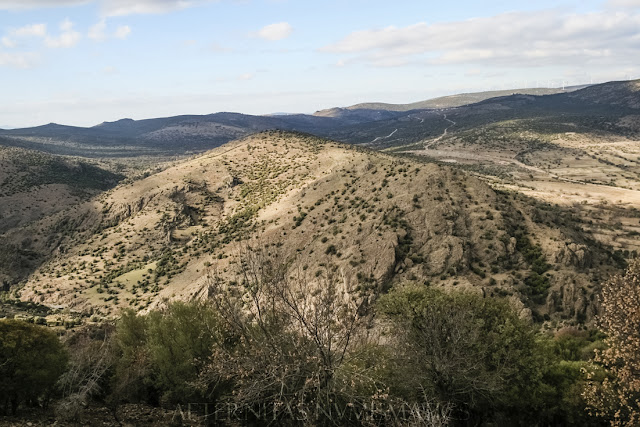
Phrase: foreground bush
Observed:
(90, 368)
(161, 355)
(478, 355)
(31, 361)
(613, 392)
(461, 348)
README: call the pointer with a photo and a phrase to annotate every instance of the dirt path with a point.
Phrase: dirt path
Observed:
(433, 141)
(384, 137)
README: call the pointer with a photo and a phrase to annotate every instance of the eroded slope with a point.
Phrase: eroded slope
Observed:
(320, 206)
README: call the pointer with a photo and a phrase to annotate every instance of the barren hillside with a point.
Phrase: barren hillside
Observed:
(319, 206)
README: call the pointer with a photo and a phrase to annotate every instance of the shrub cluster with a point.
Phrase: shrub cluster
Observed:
(289, 349)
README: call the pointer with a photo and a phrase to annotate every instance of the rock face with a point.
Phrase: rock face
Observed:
(316, 206)
(444, 254)
(572, 298)
(573, 255)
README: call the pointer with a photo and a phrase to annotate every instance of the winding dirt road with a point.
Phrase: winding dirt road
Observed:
(384, 137)
(433, 141)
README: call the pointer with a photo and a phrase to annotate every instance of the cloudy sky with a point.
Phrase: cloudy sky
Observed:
(81, 62)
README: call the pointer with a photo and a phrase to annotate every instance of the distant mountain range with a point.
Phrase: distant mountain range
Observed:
(447, 101)
(386, 124)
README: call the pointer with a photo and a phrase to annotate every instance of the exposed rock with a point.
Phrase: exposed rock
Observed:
(448, 253)
(573, 255)
(571, 298)
(523, 312)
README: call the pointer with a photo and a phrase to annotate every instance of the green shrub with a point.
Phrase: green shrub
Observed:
(460, 348)
(31, 361)
(162, 353)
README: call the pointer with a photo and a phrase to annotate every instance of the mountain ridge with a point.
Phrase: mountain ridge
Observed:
(189, 134)
(374, 218)
(455, 100)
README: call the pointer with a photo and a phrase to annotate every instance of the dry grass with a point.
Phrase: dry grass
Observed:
(373, 218)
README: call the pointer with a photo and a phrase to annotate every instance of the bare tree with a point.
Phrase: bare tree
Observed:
(302, 345)
(91, 359)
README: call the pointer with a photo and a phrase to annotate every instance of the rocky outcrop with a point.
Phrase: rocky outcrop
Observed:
(573, 255)
(571, 298)
(448, 253)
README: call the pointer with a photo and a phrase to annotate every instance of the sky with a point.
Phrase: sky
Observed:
(82, 62)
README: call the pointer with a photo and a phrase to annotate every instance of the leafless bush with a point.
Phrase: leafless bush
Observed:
(91, 358)
(303, 349)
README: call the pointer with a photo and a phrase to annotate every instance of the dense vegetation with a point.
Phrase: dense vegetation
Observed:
(289, 349)
(613, 391)
(35, 169)
(31, 360)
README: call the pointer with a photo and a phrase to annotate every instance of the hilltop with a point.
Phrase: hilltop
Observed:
(317, 206)
(449, 101)
(623, 93)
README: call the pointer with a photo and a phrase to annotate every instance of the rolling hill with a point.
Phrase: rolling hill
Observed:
(449, 101)
(35, 186)
(607, 108)
(318, 207)
(533, 197)
(160, 137)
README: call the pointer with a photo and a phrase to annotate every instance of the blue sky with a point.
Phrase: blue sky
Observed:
(81, 62)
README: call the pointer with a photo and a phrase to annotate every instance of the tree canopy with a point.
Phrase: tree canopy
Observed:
(31, 361)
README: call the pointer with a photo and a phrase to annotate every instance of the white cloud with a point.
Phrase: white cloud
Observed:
(245, 76)
(18, 60)
(109, 7)
(29, 4)
(67, 38)
(97, 31)
(509, 39)
(34, 30)
(274, 32)
(624, 3)
(7, 42)
(122, 32)
(473, 72)
(129, 7)
(66, 25)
